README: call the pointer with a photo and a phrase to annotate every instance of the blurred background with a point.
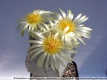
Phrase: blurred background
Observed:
(91, 59)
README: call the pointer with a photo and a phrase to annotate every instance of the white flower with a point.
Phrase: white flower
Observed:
(73, 29)
(34, 20)
(51, 49)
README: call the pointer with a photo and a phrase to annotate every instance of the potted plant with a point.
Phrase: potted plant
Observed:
(53, 39)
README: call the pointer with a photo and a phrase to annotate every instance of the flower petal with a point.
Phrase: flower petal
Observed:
(80, 38)
(47, 61)
(75, 39)
(55, 62)
(65, 30)
(51, 61)
(46, 12)
(63, 13)
(70, 15)
(19, 26)
(41, 59)
(56, 35)
(24, 28)
(33, 51)
(67, 58)
(68, 43)
(85, 31)
(38, 35)
(35, 46)
(51, 23)
(77, 17)
(35, 41)
(84, 34)
(42, 27)
(47, 27)
(29, 28)
(58, 16)
(84, 28)
(59, 60)
(73, 51)
(34, 27)
(37, 53)
(47, 15)
(83, 20)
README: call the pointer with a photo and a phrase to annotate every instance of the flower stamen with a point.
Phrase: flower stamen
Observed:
(67, 23)
(33, 18)
(52, 45)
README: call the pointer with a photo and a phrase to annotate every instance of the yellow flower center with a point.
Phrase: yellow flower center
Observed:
(67, 23)
(52, 45)
(33, 18)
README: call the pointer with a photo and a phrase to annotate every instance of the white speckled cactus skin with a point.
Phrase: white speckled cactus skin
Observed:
(39, 72)
(42, 72)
